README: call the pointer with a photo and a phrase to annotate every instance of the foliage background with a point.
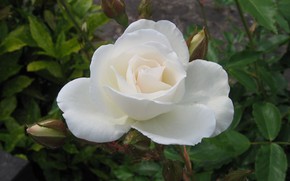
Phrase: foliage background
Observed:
(44, 44)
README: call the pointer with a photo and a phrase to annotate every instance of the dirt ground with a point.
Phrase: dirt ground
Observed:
(183, 13)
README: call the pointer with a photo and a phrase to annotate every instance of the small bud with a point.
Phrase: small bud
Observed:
(115, 9)
(145, 9)
(84, 27)
(253, 27)
(49, 133)
(197, 45)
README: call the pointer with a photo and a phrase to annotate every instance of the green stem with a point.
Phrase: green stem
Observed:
(268, 142)
(259, 82)
(282, 143)
(245, 23)
(252, 45)
(82, 34)
(188, 174)
(204, 17)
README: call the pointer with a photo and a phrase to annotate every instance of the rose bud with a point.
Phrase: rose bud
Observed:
(145, 9)
(197, 45)
(49, 133)
(116, 10)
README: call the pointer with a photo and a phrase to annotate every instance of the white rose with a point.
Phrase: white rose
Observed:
(145, 81)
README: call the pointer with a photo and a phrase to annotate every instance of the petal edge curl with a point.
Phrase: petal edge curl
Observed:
(83, 118)
(185, 125)
(169, 30)
(207, 84)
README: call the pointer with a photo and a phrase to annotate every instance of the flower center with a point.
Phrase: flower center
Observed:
(146, 75)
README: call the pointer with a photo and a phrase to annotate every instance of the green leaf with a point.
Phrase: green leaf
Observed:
(271, 163)
(212, 51)
(70, 148)
(12, 125)
(213, 152)
(284, 135)
(268, 119)
(59, 41)
(49, 19)
(66, 47)
(172, 154)
(283, 7)
(96, 20)
(51, 66)
(266, 45)
(283, 23)
(3, 30)
(69, 47)
(123, 173)
(147, 168)
(11, 44)
(32, 112)
(81, 7)
(242, 59)
(268, 79)
(204, 176)
(15, 134)
(17, 39)
(16, 85)
(9, 66)
(85, 154)
(244, 78)
(274, 80)
(237, 116)
(263, 11)
(41, 35)
(7, 106)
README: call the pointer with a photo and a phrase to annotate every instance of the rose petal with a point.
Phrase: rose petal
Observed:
(136, 107)
(83, 117)
(139, 37)
(123, 85)
(132, 71)
(150, 80)
(169, 30)
(172, 95)
(207, 79)
(207, 83)
(153, 51)
(185, 125)
(224, 112)
(100, 66)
